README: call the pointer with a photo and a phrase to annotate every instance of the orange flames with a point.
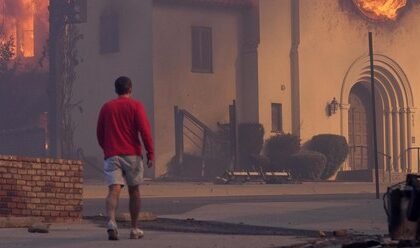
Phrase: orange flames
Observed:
(18, 19)
(381, 9)
(27, 45)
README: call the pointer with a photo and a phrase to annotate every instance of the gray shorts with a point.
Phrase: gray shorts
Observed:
(124, 170)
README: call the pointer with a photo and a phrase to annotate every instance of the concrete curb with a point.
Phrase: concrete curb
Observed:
(19, 222)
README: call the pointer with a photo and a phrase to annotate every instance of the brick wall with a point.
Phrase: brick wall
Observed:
(49, 188)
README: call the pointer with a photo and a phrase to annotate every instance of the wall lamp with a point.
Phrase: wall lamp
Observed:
(333, 107)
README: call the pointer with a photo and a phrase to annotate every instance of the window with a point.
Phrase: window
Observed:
(202, 50)
(109, 35)
(276, 117)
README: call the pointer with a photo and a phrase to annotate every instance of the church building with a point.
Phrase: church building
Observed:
(295, 66)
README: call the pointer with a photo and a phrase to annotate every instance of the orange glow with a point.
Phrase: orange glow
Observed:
(381, 9)
(27, 42)
(17, 20)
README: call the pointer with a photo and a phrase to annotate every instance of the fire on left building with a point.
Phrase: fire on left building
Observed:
(24, 77)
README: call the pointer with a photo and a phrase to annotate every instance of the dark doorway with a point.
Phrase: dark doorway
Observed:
(359, 128)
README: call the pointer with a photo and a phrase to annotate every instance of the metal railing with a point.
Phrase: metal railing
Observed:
(204, 141)
(365, 149)
(391, 165)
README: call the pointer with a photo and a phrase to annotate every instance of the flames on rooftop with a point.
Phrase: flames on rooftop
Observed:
(381, 10)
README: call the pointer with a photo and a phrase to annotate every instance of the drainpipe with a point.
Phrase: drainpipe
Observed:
(294, 66)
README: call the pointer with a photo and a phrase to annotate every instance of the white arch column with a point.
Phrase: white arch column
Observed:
(388, 139)
(396, 141)
(410, 124)
(344, 108)
(403, 138)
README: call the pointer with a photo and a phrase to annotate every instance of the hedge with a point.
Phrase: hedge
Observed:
(335, 149)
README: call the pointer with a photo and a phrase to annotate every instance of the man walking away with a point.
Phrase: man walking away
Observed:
(119, 124)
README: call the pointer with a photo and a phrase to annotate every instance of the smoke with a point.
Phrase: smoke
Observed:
(17, 8)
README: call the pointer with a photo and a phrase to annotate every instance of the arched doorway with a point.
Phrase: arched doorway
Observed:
(360, 128)
(394, 104)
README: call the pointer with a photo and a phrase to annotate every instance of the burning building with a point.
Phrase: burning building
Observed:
(298, 66)
(26, 22)
(23, 76)
(381, 10)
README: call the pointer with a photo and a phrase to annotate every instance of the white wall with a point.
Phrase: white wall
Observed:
(97, 72)
(207, 96)
(274, 62)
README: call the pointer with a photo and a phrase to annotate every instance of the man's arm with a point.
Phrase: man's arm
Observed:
(100, 129)
(143, 126)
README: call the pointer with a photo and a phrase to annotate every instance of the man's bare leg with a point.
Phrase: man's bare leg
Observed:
(134, 193)
(111, 209)
(112, 201)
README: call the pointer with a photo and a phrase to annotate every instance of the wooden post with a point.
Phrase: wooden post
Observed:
(179, 150)
(203, 153)
(389, 169)
(233, 134)
(375, 138)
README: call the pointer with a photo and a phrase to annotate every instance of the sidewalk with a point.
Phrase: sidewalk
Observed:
(183, 189)
(286, 205)
(357, 216)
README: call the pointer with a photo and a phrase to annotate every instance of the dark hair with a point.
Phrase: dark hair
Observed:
(123, 85)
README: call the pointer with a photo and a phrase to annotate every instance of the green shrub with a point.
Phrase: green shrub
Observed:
(335, 149)
(250, 141)
(279, 148)
(307, 165)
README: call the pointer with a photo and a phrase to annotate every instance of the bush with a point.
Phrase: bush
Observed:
(250, 141)
(261, 161)
(307, 165)
(335, 149)
(279, 148)
(192, 167)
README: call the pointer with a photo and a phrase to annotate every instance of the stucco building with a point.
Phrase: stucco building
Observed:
(283, 61)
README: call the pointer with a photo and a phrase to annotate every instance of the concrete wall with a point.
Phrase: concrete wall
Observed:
(247, 91)
(97, 72)
(330, 42)
(274, 62)
(206, 95)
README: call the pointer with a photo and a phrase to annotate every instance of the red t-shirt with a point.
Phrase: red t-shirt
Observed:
(119, 124)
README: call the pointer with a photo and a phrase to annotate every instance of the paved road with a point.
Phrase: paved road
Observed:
(89, 236)
(333, 206)
(316, 206)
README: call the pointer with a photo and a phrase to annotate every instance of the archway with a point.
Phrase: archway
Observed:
(360, 130)
(394, 113)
